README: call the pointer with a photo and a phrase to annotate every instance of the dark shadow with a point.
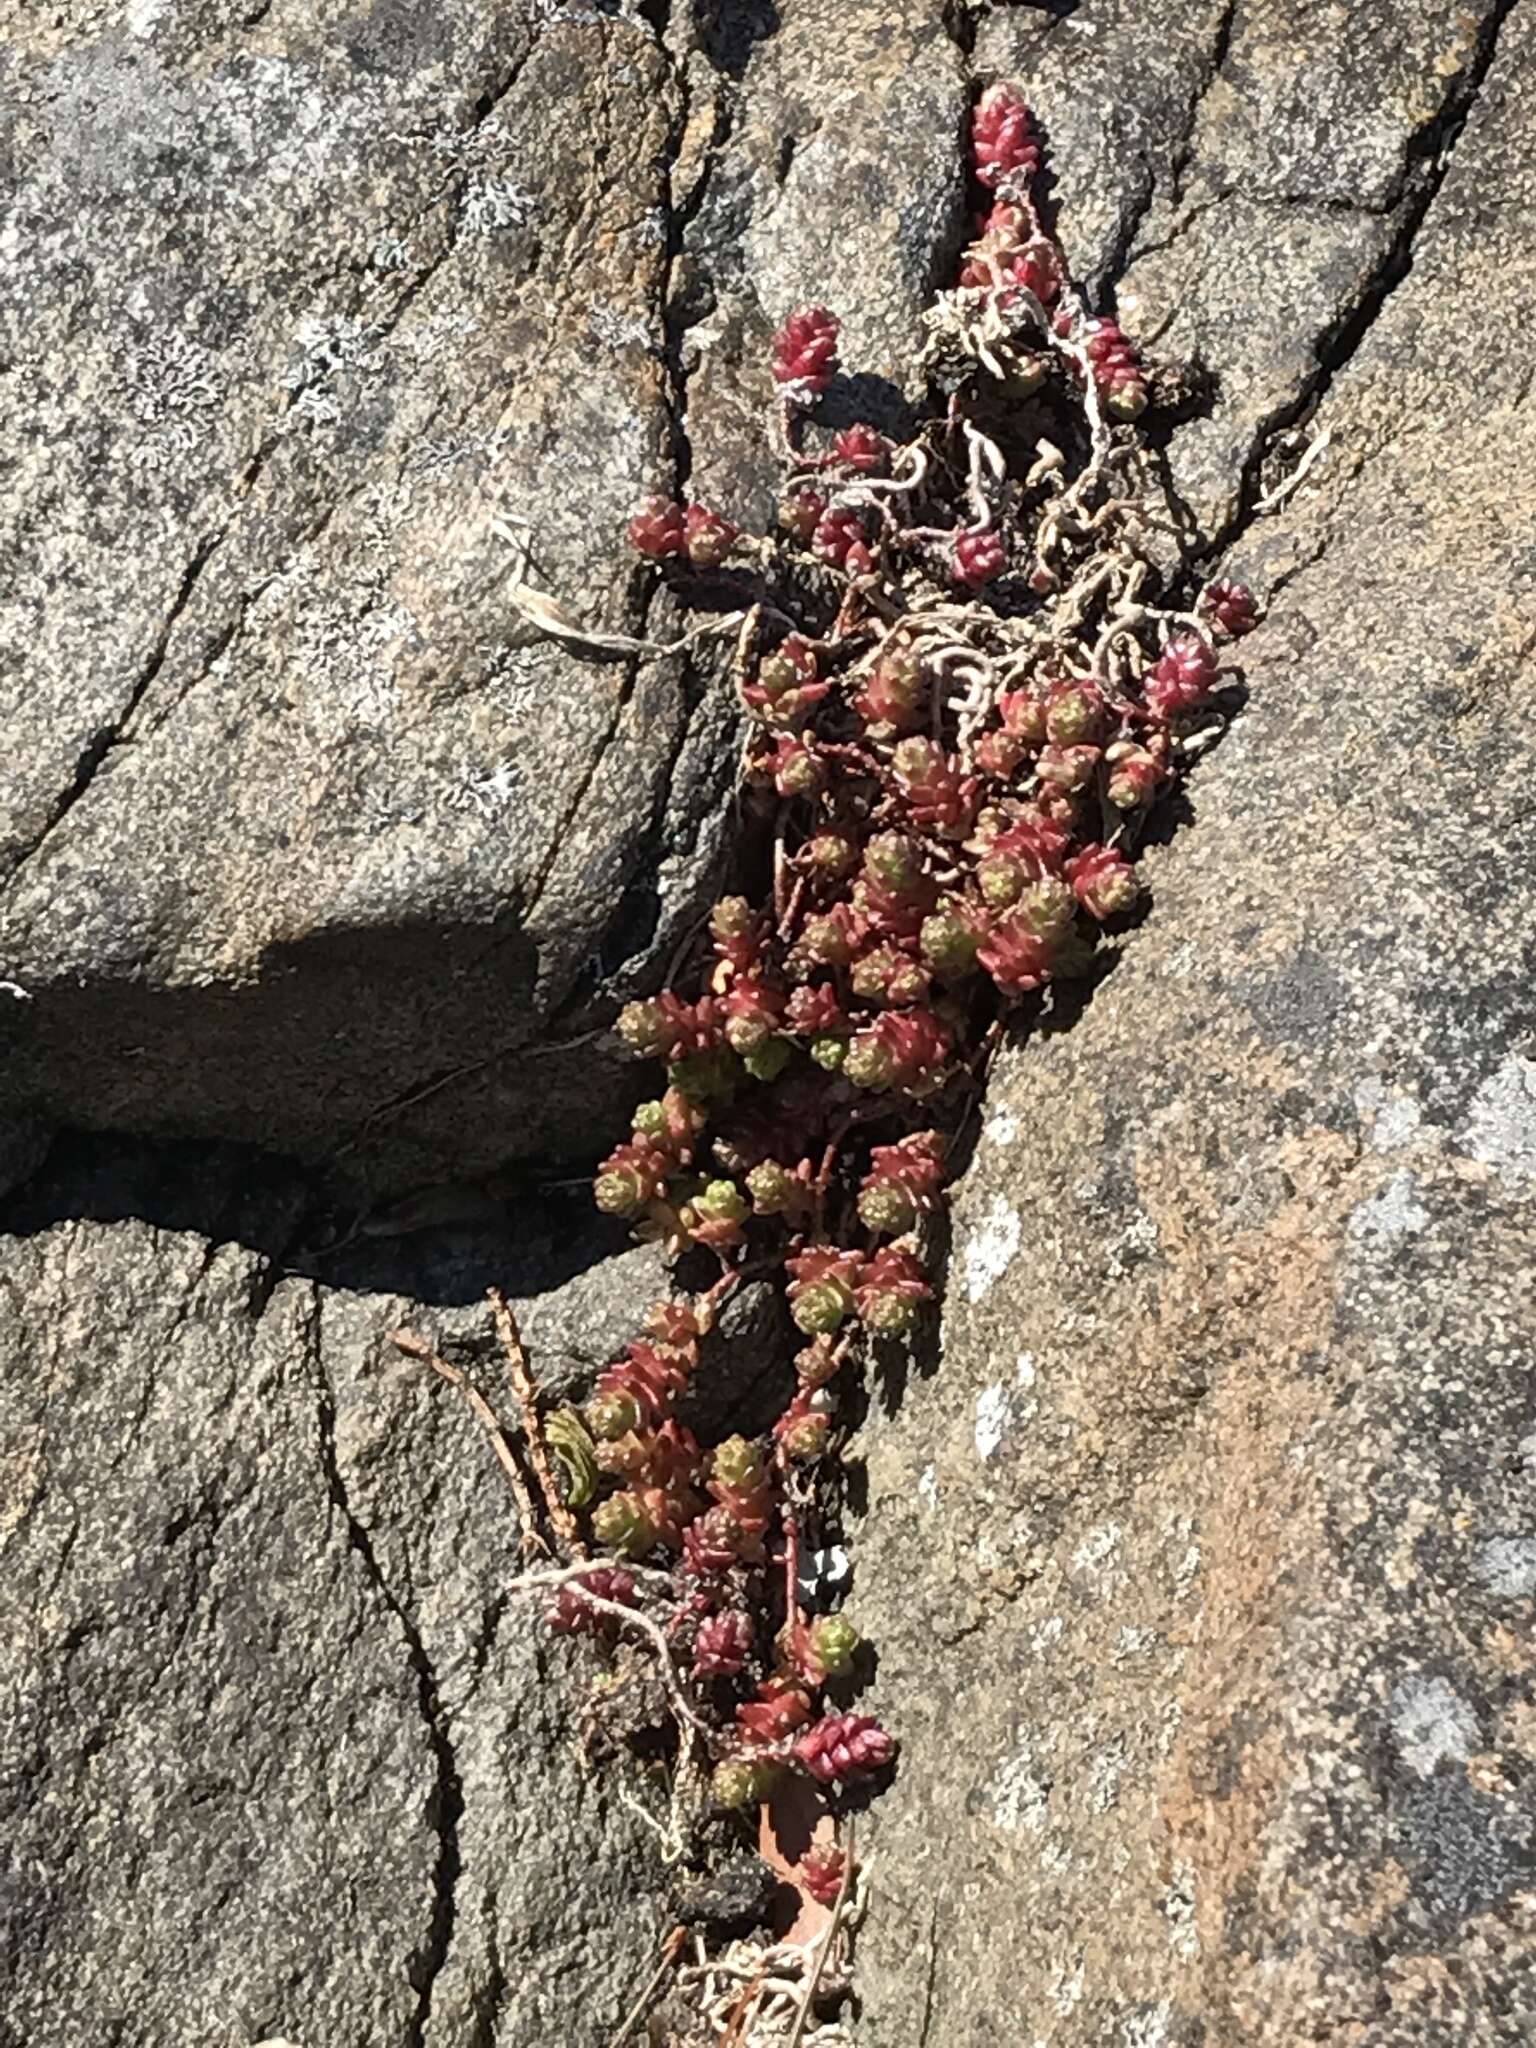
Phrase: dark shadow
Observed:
(230, 1194)
(864, 396)
(443, 1246)
(324, 1058)
(730, 30)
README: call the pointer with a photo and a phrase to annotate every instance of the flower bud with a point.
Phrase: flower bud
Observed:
(774, 1189)
(1074, 714)
(767, 1061)
(894, 862)
(612, 1415)
(796, 770)
(722, 1202)
(1047, 907)
(949, 943)
(738, 1463)
(834, 1642)
(1068, 768)
(806, 1439)
(818, 1363)
(1001, 879)
(820, 1308)
(829, 1051)
(658, 528)
(887, 975)
(631, 1177)
(828, 939)
(623, 1524)
(709, 537)
(999, 753)
(647, 1029)
(791, 665)
(1133, 778)
(831, 854)
(821, 1289)
(625, 1457)
(706, 1077)
(801, 512)
(891, 699)
(1102, 881)
(888, 1209)
(890, 1292)
(732, 918)
(741, 1781)
(1024, 716)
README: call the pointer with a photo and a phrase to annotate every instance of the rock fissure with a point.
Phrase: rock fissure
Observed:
(106, 737)
(1433, 147)
(445, 1805)
(1221, 46)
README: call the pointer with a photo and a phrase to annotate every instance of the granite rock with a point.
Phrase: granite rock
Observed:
(1218, 1712)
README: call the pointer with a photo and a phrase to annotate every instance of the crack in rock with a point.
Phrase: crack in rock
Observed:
(445, 1806)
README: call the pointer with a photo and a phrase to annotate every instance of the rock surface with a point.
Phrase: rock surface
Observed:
(281, 1758)
(1219, 1697)
(1202, 1571)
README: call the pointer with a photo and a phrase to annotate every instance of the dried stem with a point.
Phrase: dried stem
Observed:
(417, 1347)
(671, 1948)
(561, 1519)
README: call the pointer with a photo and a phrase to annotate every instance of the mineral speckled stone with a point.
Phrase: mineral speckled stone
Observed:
(1224, 1484)
(1201, 1570)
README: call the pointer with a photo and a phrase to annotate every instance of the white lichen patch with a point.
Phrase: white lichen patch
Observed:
(1020, 1794)
(1001, 1128)
(1097, 1547)
(1067, 1982)
(616, 327)
(1501, 1123)
(991, 1420)
(1431, 1723)
(1390, 1215)
(492, 206)
(1105, 1770)
(1133, 1245)
(1393, 1120)
(1507, 1566)
(1130, 1642)
(324, 348)
(1148, 2028)
(175, 388)
(492, 793)
(1045, 1635)
(991, 1248)
(928, 1487)
(1000, 1408)
(1179, 1912)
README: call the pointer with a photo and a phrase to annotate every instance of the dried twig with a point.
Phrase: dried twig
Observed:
(561, 1519)
(671, 1948)
(1273, 500)
(415, 1346)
